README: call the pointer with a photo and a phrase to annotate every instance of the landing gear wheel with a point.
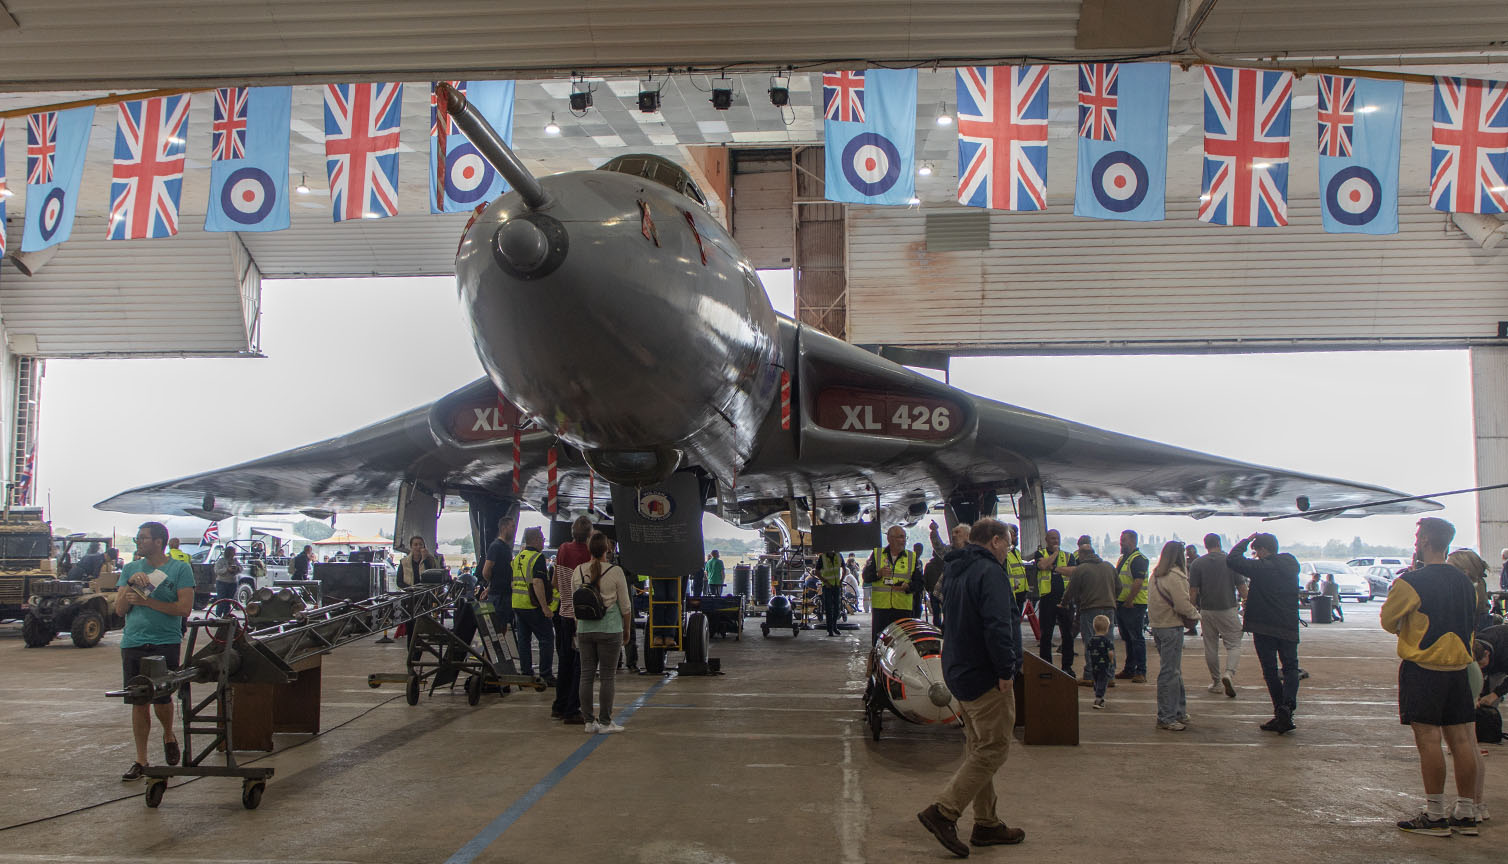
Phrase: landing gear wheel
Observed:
(473, 690)
(795, 631)
(411, 691)
(88, 628)
(251, 793)
(372, 682)
(155, 790)
(654, 660)
(696, 638)
(876, 723)
(764, 627)
(36, 633)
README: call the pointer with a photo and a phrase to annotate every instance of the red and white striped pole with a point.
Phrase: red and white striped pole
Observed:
(518, 458)
(785, 399)
(552, 503)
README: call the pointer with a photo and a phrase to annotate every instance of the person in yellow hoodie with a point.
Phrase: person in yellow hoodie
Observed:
(1431, 610)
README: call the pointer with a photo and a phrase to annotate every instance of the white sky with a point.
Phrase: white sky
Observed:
(344, 353)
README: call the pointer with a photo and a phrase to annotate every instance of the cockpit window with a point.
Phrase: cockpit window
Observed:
(658, 169)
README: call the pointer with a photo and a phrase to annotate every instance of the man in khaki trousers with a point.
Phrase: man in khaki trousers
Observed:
(980, 659)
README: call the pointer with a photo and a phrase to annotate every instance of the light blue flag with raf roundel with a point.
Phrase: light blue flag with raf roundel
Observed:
(1360, 136)
(248, 171)
(469, 179)
(1123, 141)
(870, 133)
(55, 145)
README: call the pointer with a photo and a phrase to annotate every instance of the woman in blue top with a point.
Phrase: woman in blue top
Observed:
(600, 641)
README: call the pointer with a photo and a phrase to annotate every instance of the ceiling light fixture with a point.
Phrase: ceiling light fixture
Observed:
(944, 118)
(914, 201)
(552, 128)
(5, 192)
(1261, 166)
(925, 170)
(780, 91)
(303, 185)
(1204, 197)
(722, 94)
(649, 100)
(1495, 189)
(581, 96)
(1368, 109)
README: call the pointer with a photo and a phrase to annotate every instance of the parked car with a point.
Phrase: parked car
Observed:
(1381, 578)
(1362, 564)
(1350, 583)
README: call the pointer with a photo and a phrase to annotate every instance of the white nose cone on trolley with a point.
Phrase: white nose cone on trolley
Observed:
(906, 674)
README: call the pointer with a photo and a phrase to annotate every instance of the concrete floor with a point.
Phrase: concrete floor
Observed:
(771, 762)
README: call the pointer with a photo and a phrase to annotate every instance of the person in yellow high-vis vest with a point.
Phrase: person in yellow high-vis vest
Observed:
(1015, 571)
(1047, 584)
(830, 572)
(533, 606)
(1131, 607)
(894, 573)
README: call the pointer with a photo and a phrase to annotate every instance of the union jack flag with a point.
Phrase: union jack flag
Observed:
(4, 191)
(1469, 146)
(148, 175)
(41, 146)
(361, 148)
(1099, 100)
(434, 110)
(1246, 144)
(1002, 137)
(211, 534)
(227, 138)
(1337, 114)
(843, 96)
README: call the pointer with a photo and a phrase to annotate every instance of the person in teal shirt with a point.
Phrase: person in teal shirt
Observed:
(156, 594)
(715, 574)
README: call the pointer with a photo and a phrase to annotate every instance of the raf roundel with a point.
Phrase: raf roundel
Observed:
(1119, 182)
(248, 195)
(52, 213)
(1353, 196)
(468, 177)
(871, 164)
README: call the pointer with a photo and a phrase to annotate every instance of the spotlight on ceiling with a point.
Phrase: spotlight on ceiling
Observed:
(722, 94)
(552, 128)
(943, 117)
(649, 100)
(780, 91)
(925, 170)
(581, 96)
(303, 185)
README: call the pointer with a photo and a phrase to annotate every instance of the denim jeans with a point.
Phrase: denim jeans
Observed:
(1132, 624)
(1086, 630)
(530, 625)
(1282, 688)
(1172, 702)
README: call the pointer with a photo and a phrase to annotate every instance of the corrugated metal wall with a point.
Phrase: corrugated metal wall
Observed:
(821, 244)
(191, 294)
(1107, 286)
(405, 245)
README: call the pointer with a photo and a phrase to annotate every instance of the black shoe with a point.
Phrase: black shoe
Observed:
(549, 682)
(995, 835)
(171, 752)
(1422, 824)
(1270, 725)
(134, 772)
(1463, 826)
(574, 720)
(946, 831)
(557, 715)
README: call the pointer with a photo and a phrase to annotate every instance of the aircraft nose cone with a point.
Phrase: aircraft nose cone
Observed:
(939, 695)
(522, 245)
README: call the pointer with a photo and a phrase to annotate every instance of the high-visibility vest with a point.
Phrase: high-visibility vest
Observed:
(1124, 577)
(523, 571)
(179, 555)
(891, 593)
(1015, 568)
(832, 568)
(1044, 577)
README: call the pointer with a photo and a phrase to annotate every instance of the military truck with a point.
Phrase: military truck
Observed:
(81, 607)
(25, 558)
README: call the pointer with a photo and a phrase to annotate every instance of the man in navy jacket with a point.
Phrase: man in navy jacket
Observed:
(980, 659)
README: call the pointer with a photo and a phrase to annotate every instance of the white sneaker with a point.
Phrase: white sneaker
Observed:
(1217, 689)
(590, 728)
(1482, 812)
(609, 728)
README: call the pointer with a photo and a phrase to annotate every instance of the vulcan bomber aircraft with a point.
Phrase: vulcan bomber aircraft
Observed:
(625, 337)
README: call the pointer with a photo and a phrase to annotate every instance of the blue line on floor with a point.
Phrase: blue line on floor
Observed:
(487, 836)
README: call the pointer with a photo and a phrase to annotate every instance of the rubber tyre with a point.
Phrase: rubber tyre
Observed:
(244, 590)
(251, 794)
(876, 723)
(696, 638)
(88, 628)
(474, 690)
(764, 628)
(411, 690)
(155, 791)
(35, 632)
(795, 631)
(654, 660)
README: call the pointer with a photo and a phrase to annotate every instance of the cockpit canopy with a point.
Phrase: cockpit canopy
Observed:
(658, 169)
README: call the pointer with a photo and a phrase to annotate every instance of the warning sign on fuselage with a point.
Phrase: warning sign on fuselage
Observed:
(898, 415)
